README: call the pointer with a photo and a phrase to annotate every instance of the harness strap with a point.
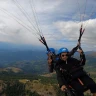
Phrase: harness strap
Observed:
(80, 82)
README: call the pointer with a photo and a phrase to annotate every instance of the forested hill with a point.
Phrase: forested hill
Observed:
(19, 55)
(91, 62)
(15, 55)
(90, 65)
(24, 61)
(34, 62)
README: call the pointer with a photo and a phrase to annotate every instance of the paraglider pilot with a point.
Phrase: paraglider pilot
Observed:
(74, 69)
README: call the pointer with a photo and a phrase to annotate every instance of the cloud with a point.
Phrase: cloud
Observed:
(70, 31)
(45, 6)
(58, 19)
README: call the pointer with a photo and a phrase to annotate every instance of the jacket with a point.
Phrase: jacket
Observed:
(71, 66)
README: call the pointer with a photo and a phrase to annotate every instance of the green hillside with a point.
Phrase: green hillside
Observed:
(30, 85)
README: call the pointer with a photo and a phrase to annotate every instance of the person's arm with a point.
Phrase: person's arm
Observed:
(49, 60)
(74, 50)
(50, 63)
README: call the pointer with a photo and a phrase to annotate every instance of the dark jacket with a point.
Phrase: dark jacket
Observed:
(69, 66)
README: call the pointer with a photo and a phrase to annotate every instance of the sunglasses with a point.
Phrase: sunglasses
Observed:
(64, 55)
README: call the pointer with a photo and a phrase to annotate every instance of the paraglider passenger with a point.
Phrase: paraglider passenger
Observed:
(51, 59)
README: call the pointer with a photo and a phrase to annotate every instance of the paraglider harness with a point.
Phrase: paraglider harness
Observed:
(68, 77)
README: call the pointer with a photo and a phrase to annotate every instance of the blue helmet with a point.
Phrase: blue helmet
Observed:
(61, 50)
(51, 50)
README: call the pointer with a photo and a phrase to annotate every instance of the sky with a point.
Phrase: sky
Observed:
(21, 22)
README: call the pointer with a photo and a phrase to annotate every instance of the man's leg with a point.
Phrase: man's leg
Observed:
(89, 83)
(78, 87)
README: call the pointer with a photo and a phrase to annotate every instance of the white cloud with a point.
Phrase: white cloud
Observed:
(70, 30)
(44, 6)
(56, 19)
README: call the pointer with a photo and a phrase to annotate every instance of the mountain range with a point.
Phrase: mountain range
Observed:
(32, 60)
